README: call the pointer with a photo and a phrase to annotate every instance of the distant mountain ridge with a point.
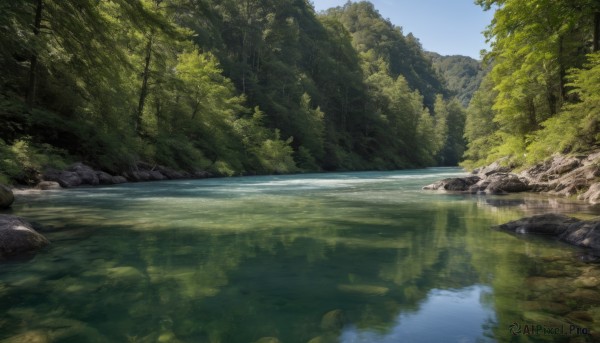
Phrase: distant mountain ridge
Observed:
(462, 74)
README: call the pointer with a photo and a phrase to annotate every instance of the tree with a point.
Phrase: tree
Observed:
(534, 44)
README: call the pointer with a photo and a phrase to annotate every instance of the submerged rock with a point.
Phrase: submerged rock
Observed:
(584, 233)
(18, 236)
(6, 197)
(333, 320)
(268, 340)
(35, 336)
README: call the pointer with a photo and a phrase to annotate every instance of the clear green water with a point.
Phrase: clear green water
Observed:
(354, 257)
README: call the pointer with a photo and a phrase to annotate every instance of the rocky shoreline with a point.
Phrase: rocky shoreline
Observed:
(79, 174)
(18, 237)
(583, 233)
(566, 176)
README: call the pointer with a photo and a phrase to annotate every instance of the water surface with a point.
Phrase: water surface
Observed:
(345, 257)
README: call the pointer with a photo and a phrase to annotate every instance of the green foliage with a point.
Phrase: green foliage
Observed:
(22, 160)
(535, 110)
(462, 74)
(173, 82)
(371, 33)
(577, 127)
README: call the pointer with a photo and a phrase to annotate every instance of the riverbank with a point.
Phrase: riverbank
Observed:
(565, 176)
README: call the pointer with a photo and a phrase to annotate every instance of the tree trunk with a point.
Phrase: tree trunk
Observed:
(33, 63)
(144, 89)
(597, 31)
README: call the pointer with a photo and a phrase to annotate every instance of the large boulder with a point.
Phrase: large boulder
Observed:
(118, 179)
(500, 183)
(18, 236)
(104, 178)
(584, 233)
(86, 174)
(457, 184)
(66, 179)
(6, 197)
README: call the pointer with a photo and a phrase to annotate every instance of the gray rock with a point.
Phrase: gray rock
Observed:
(545, 224)
(563, 164)
(18, 236)
(118, 179)
(457, 184)
(86, 174)
(592, 195)
(48, 185)
(143, 175)
(104, 178)
(6, 197)
(156, 175)
(494, 168)
(584, 233)
(171, 174)
(89, 178)
(500, 183)
(66, 179)
(69, 179)
(201, 174)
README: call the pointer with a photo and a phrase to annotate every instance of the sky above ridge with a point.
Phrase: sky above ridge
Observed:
(448, 27)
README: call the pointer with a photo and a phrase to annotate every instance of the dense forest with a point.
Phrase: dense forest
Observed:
(542, 95)
(231, 87)
(462, 74)
(265, 86)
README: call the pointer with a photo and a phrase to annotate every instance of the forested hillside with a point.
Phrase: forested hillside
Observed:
(462, 74)
(542, 95)
(232, 87)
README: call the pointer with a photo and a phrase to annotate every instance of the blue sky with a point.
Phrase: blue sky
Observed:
(448, 27)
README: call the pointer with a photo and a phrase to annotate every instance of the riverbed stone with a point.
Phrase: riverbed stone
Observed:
(268, 340)
(546, 306)
(584, 296)
(544, 319)
(18, 236)
(333, 320)
(326, 338)
(580, 316)
(34, 336)
(6, 197)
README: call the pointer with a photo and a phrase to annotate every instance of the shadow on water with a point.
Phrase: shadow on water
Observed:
(297, 266)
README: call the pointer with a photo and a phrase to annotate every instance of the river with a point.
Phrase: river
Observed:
(341, 257)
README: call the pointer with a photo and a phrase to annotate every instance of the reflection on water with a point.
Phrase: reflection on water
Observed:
(349, 257)
(450, 315)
